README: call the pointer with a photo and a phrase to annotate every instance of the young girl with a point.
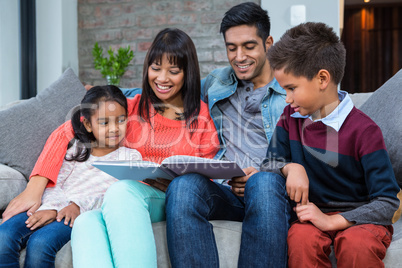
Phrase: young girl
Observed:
(99, 126)
(167, 119)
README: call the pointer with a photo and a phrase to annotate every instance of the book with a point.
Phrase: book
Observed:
(170, 168)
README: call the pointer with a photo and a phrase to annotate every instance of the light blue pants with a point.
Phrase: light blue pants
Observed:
(120, 234)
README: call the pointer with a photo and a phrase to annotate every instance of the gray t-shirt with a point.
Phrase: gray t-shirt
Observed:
(242, 126)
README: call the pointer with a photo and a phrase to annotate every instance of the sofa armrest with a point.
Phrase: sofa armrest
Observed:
(12, 183)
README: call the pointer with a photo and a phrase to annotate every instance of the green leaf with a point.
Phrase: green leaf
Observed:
(115, 64)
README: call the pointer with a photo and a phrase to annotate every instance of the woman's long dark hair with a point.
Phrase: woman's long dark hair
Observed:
(180, 50)
(89, 105)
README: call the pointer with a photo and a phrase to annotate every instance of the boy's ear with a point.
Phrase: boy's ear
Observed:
(87, 125)
(324, 78)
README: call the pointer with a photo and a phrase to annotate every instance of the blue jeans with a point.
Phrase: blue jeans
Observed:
(41, 244)
(192, 200)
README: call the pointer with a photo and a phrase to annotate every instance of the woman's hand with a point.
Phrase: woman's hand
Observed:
(69, 213)
(239, 183)
(41, 218)
(29, 200)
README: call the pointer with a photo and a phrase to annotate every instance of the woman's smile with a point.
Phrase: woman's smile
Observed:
(162, 88)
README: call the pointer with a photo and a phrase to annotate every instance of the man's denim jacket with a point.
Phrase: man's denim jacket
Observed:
(221, 84)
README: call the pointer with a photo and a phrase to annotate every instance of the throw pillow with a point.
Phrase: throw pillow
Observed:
(385, 108)
(26, 126)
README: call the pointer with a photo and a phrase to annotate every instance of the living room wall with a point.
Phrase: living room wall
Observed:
(118, 23)
(9, 51)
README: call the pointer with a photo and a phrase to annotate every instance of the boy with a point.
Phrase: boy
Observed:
(324, 141)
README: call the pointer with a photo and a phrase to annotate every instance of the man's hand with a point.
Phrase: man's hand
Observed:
(239, 183)
(69, 213)
(29, 200)
(159, 183)
(41, 218)
(297, 183)
(311, 213)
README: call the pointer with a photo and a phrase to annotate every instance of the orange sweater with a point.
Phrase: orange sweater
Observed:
(156, 141)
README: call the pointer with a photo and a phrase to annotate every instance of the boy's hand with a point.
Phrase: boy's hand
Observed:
(41, 218)
(311, 213)
(239, 183)
(297, 182)
(28, 200)
(69, 213)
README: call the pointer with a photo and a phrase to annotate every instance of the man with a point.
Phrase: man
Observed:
(245, 102)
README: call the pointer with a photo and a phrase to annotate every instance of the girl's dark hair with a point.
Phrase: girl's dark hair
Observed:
(180, 50)
(250, 14)
(89, 105)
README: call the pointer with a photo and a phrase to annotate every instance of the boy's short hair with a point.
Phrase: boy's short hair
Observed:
(307, 48)
(250, 14)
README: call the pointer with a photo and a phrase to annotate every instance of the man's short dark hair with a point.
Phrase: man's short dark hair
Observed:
(250, 14)
(307, 48)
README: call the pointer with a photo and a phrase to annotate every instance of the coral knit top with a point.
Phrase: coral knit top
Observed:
(155, 140)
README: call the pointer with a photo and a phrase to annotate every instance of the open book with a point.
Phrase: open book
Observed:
(170, 168)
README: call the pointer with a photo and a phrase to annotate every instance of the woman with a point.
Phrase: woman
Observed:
(167, 119)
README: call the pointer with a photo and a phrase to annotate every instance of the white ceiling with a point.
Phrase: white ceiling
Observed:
(358, 2)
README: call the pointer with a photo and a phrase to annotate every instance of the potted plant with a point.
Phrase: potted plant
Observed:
(113, 67)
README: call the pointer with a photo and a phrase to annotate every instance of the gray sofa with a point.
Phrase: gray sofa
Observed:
(68, 91)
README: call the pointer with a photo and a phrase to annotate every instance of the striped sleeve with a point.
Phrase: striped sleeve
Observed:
(380, 181)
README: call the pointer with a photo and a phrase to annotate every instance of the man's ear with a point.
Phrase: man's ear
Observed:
(269, 42)
(87, 125)
(324, 78)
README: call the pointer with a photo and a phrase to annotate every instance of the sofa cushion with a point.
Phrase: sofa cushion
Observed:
(12, 183)
(385, 108)
(393, 257)
(26, 125)
(360, 98)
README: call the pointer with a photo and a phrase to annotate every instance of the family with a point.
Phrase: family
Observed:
(317, 170)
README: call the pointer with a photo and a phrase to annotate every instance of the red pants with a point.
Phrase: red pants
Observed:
(357, 246)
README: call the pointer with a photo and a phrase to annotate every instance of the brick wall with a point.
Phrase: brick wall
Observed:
(118, 23)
